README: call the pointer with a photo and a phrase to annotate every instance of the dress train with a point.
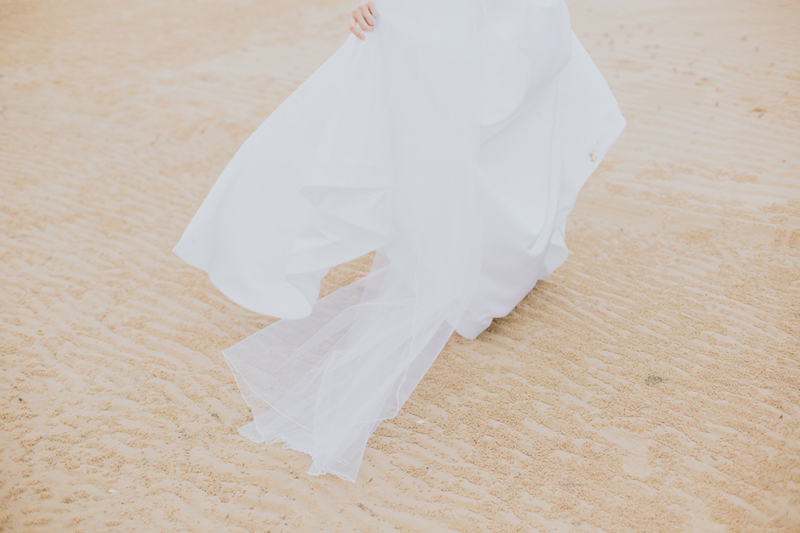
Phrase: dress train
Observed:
(454, 145)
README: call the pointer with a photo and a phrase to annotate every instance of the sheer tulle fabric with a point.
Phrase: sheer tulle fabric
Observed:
(454, 142)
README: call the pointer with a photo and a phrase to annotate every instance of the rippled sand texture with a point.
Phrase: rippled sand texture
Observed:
(651, 384)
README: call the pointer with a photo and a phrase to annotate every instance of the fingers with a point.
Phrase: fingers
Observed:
(369, 15)
(364, 18)
(355, 27)
(361, 19)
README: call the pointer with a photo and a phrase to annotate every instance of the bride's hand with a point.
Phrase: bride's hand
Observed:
(361, 17)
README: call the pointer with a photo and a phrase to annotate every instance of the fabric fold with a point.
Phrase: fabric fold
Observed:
(453, 145)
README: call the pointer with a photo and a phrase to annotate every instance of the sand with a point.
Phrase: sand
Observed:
(650, 384)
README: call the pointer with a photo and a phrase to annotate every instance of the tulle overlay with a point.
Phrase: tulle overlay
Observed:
(453, 142)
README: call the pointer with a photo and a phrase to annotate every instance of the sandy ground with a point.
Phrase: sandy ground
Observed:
(650, 384)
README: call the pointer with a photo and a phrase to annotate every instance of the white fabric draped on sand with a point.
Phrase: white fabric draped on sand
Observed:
(453, 142)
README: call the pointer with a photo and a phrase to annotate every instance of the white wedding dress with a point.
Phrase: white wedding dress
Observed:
(454, 142)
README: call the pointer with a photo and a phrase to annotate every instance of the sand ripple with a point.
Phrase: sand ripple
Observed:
(651, 384)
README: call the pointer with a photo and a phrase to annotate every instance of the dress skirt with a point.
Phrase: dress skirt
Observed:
(453, 142)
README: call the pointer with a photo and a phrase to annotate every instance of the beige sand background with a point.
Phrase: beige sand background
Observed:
(650, 384)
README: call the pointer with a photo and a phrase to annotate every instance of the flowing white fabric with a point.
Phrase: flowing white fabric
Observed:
(454, 142)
